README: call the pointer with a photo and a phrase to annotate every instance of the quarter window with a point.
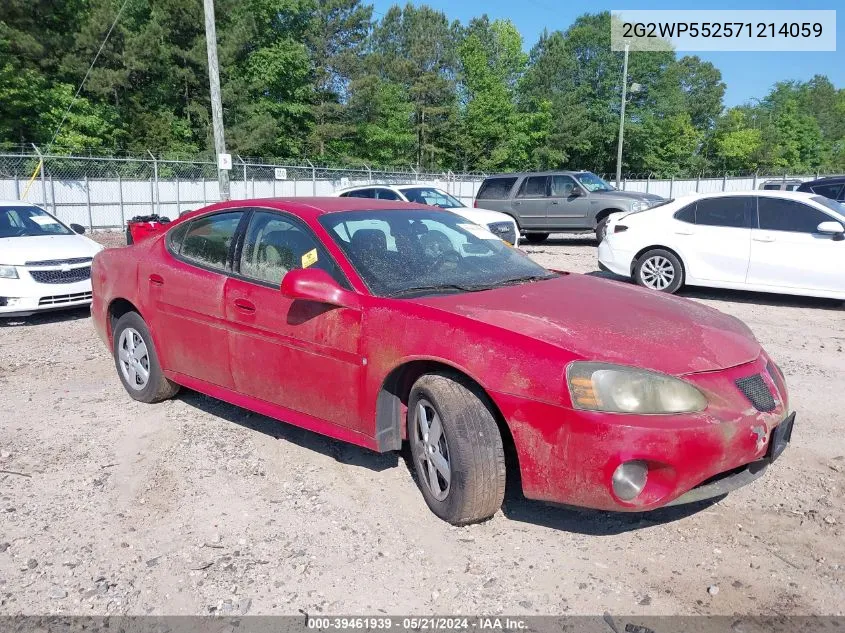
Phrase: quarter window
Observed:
(209, 239)
(496, 189)
(777, 214)
(274, 245)
(728, 211)
(533, 187)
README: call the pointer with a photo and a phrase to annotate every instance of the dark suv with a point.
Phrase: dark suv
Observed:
(832, 187)
(558, 201)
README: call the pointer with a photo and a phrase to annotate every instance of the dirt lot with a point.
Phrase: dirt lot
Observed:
(108, 506)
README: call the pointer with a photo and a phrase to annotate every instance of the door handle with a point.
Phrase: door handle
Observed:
(763, 238)
(156, 280)
(245, 306)
(555, 202)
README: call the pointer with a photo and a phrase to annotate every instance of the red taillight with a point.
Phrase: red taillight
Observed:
(620, 228)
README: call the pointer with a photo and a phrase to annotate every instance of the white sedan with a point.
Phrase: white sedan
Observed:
(500, 224)
(766, 241)
(44, 264)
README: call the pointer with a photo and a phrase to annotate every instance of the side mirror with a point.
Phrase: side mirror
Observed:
(314, 284)
(832, 228)
(77, 228)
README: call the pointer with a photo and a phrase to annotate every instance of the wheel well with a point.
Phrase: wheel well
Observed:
(643, 251)
(117, 309)
(393, 398)
(601, 215)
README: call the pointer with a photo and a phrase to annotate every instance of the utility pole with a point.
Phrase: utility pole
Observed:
(216, 103)
(621, 117)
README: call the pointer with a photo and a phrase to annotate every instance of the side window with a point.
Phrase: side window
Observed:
(361, 193)
(562, 186)
(175, 236)
(496, 189)
(726, 211)
(834, 192)
(208, 239)
(777, 214)
(274, 245)
(687, 214)
(386, 194)
(533, 187)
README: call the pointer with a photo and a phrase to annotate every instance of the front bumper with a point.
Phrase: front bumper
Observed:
(569, 456)
(19, 298)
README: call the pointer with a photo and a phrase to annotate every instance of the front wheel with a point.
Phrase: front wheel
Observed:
(137, 362)
(456, 448)
(661, 270)
(601, 229)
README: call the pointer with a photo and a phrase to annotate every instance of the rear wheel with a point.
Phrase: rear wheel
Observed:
(536, 238)
(137, 362)
(456, 448)
(659, 269)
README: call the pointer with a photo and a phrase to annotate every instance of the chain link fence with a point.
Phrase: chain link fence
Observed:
(105, 192)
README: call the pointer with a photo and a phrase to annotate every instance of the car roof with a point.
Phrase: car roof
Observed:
(767, 193)
(310, 208)
(400, 185)
(17, 203)
(827, 180)
(553, 172)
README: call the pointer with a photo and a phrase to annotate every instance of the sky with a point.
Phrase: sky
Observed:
(748, 75)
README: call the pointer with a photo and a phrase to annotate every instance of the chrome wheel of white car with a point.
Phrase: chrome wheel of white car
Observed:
(659, 269)
(134, 359)
(658, 273)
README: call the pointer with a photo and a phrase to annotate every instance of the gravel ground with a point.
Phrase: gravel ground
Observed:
(109, 506)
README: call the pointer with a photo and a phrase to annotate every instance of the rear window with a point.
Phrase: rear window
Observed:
(496, 189)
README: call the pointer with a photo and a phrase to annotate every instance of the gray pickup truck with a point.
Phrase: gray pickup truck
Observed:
(558, 201)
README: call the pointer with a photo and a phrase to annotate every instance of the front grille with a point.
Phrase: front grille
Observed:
(756, 390)
(59, 262)
(503, 230)
(60, 299)
(61, 276)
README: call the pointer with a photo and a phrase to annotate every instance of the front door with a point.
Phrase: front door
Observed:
(530, 202)
(568, 204)
(287, 351)
(788, 251)
(186, 293)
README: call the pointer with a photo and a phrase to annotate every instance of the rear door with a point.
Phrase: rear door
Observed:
(186, 290)
(531, 202)
(718, 245)
(788, 252)
(566, 209)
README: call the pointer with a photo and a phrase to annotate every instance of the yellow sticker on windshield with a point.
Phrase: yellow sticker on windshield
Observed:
(310, 258)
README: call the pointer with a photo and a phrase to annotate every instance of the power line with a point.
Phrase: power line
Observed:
(88, 72)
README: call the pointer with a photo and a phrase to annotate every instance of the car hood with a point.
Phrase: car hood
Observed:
(16, 251)
(481, 216)
(610, 321)
(629, 195)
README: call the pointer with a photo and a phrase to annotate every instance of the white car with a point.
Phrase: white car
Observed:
(500, 224)
(767, 241)
(44, 264)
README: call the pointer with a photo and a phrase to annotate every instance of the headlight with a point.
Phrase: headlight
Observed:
(620, 389)
(639, 205)
(8, 272)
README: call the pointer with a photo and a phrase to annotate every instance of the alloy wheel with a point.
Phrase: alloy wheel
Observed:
(657, 272)
(432, 451)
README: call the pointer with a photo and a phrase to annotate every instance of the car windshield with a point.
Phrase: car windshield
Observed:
(591, 182)
(833, 205)
(26, 221)
(432, 197)
(414, 253)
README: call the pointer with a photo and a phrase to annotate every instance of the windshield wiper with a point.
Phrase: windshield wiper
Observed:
(519, 280)
(406, 291)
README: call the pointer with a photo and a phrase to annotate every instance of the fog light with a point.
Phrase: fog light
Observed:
(629, 479)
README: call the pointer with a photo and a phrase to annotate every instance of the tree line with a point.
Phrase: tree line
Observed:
(331, 81)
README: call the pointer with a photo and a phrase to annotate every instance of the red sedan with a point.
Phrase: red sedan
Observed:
(376, 322)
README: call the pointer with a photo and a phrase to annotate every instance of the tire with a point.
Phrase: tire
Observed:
(660, 270)
(470, 444)
(536, 238)
(131, 332)
(601, 229)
